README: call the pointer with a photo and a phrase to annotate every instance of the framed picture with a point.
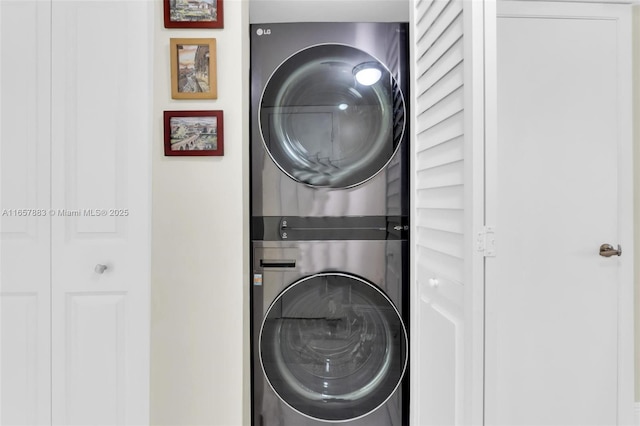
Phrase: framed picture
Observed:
(193, 68)
(188, 133)
(193, 14)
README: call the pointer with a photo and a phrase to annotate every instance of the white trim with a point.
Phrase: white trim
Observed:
(626, 379)
(491, 174)
(475, 25)
(590, 1)
(636, 131)
(1, 236)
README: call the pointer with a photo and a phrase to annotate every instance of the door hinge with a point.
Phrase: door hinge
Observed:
(486, 241)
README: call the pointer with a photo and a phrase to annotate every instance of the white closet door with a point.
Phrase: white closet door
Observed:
(439, 327)
(24, 201)
(558, 339)
(101, 179)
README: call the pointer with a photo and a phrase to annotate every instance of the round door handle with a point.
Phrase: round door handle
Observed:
(607, 250)
(100, 268)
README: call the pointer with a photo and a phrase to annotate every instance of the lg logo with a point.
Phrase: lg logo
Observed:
(260, 31)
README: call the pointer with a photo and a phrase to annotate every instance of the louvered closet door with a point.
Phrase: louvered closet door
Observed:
(100, 174)
(438, 217)
(24, 224)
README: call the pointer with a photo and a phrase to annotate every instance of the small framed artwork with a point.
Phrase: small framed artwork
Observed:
(193, 68)
(189, 133)
(193, 14)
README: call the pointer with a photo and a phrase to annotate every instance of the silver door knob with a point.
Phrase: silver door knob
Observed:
(607, 250)
(100, 268)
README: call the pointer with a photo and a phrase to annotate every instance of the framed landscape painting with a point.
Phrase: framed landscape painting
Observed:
(193, 68)
(189, 133)
(193, 14)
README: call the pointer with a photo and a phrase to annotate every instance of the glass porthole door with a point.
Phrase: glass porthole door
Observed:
(332, 116)
(333, 347)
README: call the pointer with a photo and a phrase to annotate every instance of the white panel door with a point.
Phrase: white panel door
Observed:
(25, 237)
(556, 337)
(100, 235)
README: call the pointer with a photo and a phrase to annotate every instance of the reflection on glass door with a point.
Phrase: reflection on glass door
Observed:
(332, 116)
(333, 347)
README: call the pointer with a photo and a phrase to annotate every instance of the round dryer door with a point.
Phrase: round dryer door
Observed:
(333, 347)
(332, 116)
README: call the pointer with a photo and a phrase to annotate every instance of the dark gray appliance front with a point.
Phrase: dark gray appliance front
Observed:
(324, 143)
(329, 333)
(329, 206)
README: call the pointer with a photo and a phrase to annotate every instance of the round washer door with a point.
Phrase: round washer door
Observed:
(322, 126)
(333, 347)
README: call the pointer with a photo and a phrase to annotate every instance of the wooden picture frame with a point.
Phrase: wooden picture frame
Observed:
(193, 133)
(193, 68)
(193, 14)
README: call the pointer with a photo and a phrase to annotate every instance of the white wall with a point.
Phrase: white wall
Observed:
(269, 11)
(199, 307)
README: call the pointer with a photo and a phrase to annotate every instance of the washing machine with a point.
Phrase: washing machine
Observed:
(329, 119)
(329, 332)
(329, 231)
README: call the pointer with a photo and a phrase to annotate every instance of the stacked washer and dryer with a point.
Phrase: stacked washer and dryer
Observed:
(329, 231)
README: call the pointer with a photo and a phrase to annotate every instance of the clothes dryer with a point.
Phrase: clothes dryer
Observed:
(326, 141)
(329, 333)
(329, 206)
